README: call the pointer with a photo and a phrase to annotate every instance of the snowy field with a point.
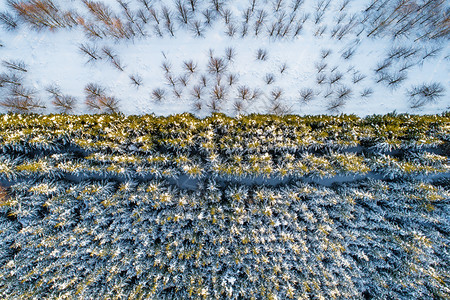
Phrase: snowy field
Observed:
(265, 56)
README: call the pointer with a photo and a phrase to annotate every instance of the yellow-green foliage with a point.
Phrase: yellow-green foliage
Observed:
(254, 145)
(225, 133)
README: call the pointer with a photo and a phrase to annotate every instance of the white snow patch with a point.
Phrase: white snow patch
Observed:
(55, 58)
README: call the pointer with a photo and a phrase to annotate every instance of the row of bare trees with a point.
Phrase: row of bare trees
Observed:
(425, 19)
(277, 18)
(39, 14)
(400, 18)
(16, 96)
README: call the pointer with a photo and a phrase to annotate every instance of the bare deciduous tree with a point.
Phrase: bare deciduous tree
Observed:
(230, 53)
(343, 5)
(297, 29)
(306, 94)
(127, 12)
(90, 51)
(146, 3)
(295, 5)
(168, 24)
(197, 91)
(109, 104)
(97, 99)
(348, 53)
(367, 92)
(260, 19)
(277, 5)
(276, 94)
(335, 77)
(193, 4)
(320, 30)
(382, 76)
(238, 106)
(197, 106)
(217, 5)
(232, 79)
(136, 80)
(166, 66)
(8, 21)
(43, 14)
(214, 105)
(92, 104)
(231, 29)
(154, 15)
(21, 99)
(183, 79)
(197, 28)
(432, 52)
(218, 93)
(21, 104)
(396, 79)
(405, 66)
(357, 77)
(208, 16)
(335, 104)
(177, 92)
(256, 94)
(246, 15)
(204, 80)
(269, 78)
(10, 79)
(383, 65)
(244, 92)
(217, 65)
(190, 66)
(20, 91)
(262, 54)
(320, 79)
(143, 16)
(318, 16)
(94, 90)
(278, 108)
(171, 80)
(113, 58)
(17, 65)
(328, 93)
(157, 30)
(324, 53)
(320, 66)
(343, 93)
(252, 4)
(425, 93)
(158, 94)
(283, 67)
(184, 13)
(64, 103)
(226, 15)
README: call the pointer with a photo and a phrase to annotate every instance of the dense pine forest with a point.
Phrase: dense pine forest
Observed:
(254, 207)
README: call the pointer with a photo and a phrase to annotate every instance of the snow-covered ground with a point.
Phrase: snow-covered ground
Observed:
(53, 57)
